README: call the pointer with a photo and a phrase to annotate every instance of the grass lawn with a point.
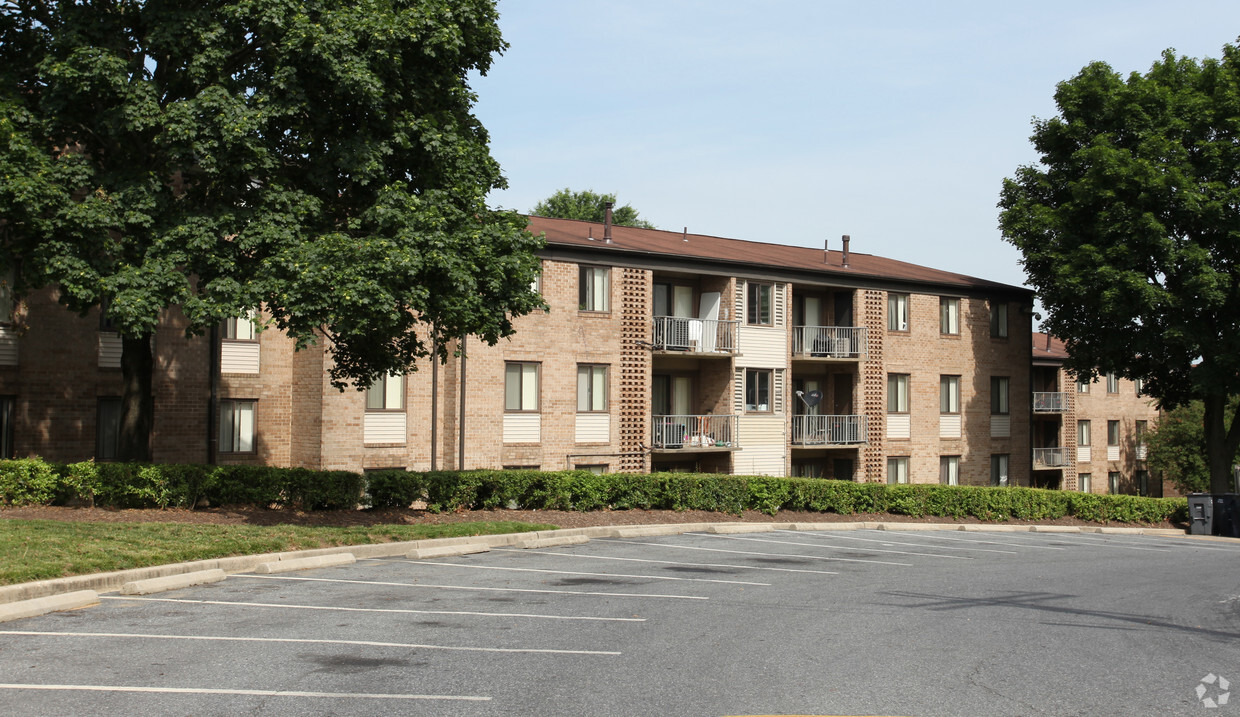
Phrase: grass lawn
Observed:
(41, 549)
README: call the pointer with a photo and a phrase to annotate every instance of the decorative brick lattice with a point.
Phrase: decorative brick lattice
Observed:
(874, 385)
(634, 414)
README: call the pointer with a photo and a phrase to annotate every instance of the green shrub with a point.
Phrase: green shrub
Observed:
(395, 488)
(27, 481)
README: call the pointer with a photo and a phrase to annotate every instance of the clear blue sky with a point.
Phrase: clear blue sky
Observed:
(797, 121)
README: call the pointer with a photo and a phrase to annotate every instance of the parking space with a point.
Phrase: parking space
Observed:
(808, 622)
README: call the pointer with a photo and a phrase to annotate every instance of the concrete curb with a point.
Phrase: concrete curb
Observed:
(172, 582)
(553, 542)
(728, 528)
(448, 551)
(314, 561)
(115, 581)
(44, 605)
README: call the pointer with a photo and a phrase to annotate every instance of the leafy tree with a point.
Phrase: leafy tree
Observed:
(320, 159)
(1177, 446)
(1130, 232)
(588, 206)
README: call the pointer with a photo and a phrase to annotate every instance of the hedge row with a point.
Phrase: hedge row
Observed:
(33, 481)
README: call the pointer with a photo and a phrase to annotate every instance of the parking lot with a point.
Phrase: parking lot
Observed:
(907, 622)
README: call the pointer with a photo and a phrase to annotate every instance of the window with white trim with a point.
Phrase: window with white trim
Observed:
(386, 394)
(897, 312)
(949, 470)
(594, 289)
(897, 470)
(591, 388)
(237, 426)
(521, 387)
(949, 315)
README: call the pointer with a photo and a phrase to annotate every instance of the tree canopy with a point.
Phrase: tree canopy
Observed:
(1129, 229)
(318, 159)
(588, 206)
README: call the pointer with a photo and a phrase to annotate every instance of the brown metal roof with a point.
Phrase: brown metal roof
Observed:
(1046, 346)
(570, 232)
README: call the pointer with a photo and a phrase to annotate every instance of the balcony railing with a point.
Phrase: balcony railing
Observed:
(710, 336)
(1050, 457)
(693, 432)
(1050, 402)
(829, 430)
(840, 342)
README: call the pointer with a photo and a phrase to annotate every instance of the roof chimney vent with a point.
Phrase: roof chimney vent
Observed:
(607, 221)
(826, 256)
(845, 263)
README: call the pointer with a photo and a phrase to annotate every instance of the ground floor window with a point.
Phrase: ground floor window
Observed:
(949, 470)
(897, 470)
(237, 426)
(6, 426)
(999, 469)
(107, 428)
(1082, 480)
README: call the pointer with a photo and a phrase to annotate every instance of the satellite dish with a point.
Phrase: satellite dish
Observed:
(812, 398)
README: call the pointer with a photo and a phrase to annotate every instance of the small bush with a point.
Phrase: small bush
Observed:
(27, 481)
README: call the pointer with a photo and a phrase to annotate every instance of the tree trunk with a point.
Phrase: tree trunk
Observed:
(138, 399)
(1221, 443)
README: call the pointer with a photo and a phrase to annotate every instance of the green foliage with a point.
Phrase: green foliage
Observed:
(1129, 231)
(588, 206)
(27, 481)
(1177, 446)
(320, 160)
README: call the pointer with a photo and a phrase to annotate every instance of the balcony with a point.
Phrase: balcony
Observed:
(699, 336)
(829, 431)
(829, 342)
(693, 433)
(1050, 402)
(1050, 458)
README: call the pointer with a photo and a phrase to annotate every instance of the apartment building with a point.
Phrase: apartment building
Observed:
(658, 351)
(1088, 435)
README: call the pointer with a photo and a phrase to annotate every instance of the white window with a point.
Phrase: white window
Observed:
(758, 306)
(897, 393)
(1082, 433)
(949, 394)
(241, 328)
(1082, 480)
(1112, 434)
(897, 312)
(897, 470)
(949, 315)
(591, 388)
(999, 469)
(758, 389)
(1139, 385)
(1112, 382)
(386, 394)
(594, 289)
(998, 319)
(949, 470)
(236, 426)
(1113, 482)
(1082, 385)
(521, 387)
(999, 395)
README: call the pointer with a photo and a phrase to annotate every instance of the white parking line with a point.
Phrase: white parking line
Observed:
(471, 587)
(306, 641)
(837, 547)
(980, 541)
(772, 555)
(574, 572)
(1106, 543)
(826, 535)
(670, 562)
(376, 609)
(243, 693)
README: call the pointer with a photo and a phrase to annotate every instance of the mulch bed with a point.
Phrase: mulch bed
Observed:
(563, 519)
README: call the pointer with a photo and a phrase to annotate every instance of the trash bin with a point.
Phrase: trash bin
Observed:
(1226, 517)
(1200, 514)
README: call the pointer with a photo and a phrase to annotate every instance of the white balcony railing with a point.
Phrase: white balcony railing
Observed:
(829, 430)
(842, 342)
(1050, 402)
(675, 333)
(1050, 457)
(693, 432)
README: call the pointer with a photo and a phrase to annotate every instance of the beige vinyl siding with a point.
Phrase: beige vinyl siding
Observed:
(8, 346)
(593, 428)
(1084, 454)
(384, 427)
(762, 347)
(899, 425)
(239, 357)
(763, 440)
(109, 350)
(1000, 426)
(522, 427)
(949, 426)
